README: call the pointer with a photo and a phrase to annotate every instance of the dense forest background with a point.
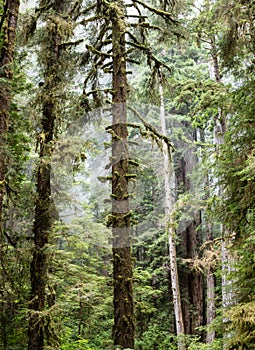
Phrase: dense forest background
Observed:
(127, 174)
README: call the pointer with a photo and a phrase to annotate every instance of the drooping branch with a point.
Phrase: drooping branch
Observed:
(71, 43)
(44, 7)
(164, 14)
(99, 42)
(88, 9)
(31, 24)
(106, 91)
(97, 52)
(147, 50)
(107, 67)
(75, 11)
(88, 20)
(147, 25)
(152, 129)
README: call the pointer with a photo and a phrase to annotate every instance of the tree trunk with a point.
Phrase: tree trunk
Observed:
(226, 258)
(123, 328)
(169, 224)
(210, 273)
(8, 28)
(191, 281)
(10, 19)
(43, 209)
(211, 295)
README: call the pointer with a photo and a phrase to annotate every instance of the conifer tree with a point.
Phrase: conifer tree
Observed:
(8, 27)
(117, 31)
(56, 31)
(234, 168)
(123, 330)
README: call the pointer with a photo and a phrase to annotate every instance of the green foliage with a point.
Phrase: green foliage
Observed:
(158, 338)
(69, 344)
(236, 162)
(215, 345)
(17, 214)
(242, 326)
(18, 139)
(83, 290)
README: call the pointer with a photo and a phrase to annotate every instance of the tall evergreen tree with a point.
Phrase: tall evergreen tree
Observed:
(117, 27)
(8, 27)
(56, 30)
(123, 329)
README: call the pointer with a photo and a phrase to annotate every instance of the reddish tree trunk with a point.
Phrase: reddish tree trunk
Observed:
(191, 281)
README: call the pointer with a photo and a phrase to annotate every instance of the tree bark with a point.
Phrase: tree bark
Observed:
(123, 328)
(191, 281)
(8, 28)
(43, 207)
(211, 294)
(169, 226)
(6, 73)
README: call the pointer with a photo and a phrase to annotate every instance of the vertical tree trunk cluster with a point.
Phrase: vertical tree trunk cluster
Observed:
(43, 221)
(123, 329)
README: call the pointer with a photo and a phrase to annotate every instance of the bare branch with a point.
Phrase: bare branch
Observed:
(147, 26)
(88, 9)
(106, 91)
(74, 43)
(88, 20)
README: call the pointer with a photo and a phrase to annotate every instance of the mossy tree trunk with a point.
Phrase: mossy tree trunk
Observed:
(38, 323)
(9, 21)
(123, 328)
(8, 28)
